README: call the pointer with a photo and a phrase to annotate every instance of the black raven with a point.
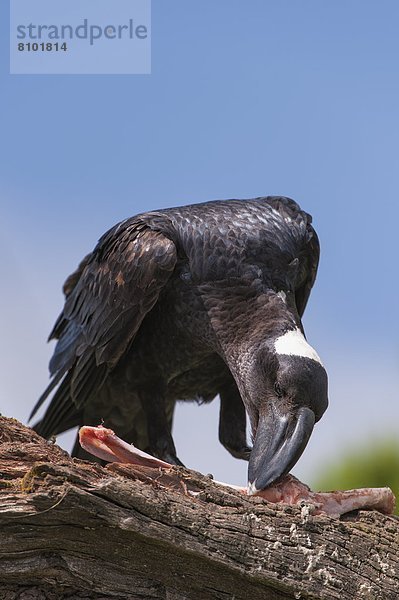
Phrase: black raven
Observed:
(186, 303)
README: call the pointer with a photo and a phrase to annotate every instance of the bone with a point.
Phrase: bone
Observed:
(103, 443)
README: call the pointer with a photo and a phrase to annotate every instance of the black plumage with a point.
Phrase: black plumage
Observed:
(182, 304)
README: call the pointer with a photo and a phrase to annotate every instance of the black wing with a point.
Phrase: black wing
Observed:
(107, 300)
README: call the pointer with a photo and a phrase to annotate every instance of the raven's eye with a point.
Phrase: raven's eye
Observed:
(185, 275)
(278, 390)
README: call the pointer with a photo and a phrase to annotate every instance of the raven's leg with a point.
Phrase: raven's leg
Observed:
(233, 422)
(160, 439)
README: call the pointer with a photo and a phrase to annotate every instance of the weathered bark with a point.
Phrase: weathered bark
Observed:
(70, 529)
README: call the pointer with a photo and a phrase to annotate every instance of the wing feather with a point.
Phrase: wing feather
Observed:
(107, 299)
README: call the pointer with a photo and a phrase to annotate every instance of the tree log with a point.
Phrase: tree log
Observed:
(73, 529)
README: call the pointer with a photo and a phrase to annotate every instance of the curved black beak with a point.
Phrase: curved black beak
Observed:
(280, 439)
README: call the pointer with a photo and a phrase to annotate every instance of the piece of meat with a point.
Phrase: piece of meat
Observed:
(104, 444)
(291, 491)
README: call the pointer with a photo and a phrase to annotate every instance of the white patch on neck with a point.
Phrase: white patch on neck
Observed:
(283, 296)
(293, 343)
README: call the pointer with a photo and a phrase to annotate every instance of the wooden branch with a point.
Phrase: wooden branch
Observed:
(72, 529)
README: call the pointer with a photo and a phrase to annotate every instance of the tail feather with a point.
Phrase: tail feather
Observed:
(61, 414)
(74, 392)
(46, 393)
(88, 378)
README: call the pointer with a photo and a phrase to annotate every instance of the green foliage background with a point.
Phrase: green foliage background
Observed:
(374, 464)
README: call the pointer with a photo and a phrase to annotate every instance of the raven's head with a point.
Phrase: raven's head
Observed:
(288, 395)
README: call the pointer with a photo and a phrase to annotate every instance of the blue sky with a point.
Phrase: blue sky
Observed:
(244, 99)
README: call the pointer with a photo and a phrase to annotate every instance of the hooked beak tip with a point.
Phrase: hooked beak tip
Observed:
(252, 489)
(280, 441)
